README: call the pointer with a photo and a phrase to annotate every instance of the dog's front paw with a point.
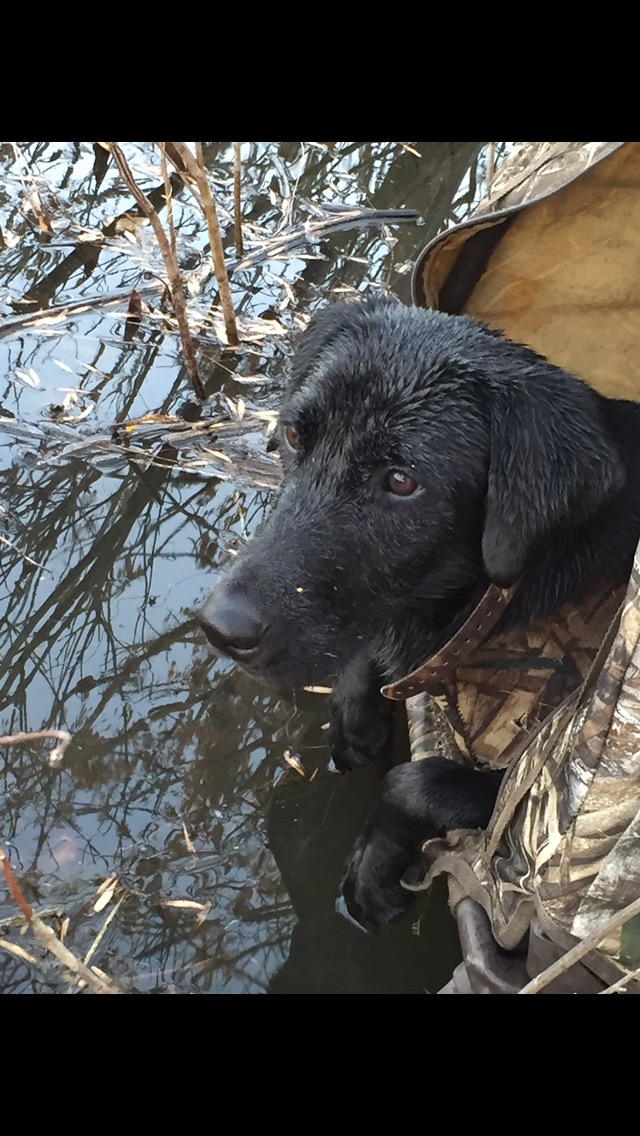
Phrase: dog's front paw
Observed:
(361, 719)
(371, 887)
(355, 743)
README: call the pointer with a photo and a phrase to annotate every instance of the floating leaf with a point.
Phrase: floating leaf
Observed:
(105, 892)
(186, 904)
(294, 761)
(63, 366)
(30, 378)
(188, 841)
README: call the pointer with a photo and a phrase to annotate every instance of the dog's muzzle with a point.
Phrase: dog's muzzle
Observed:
(232, 624)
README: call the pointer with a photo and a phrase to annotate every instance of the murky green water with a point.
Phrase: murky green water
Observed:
(177, 781)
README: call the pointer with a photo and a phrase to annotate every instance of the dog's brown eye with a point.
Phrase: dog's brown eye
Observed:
(401, 483)
(292, 436)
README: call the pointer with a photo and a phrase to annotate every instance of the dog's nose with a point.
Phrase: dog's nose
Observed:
(231, 623)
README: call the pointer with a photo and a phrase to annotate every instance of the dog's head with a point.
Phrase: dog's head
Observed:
(424, 455)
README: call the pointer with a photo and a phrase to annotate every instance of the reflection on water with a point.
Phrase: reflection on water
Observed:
(177, 782)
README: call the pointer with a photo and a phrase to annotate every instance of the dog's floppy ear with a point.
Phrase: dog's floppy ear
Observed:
(552, 464)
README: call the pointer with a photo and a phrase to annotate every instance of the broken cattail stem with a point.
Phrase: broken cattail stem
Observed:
(173, 272)
(169, 199)
(196, 171)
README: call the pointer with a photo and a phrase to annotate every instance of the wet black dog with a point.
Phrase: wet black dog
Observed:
(425, 456)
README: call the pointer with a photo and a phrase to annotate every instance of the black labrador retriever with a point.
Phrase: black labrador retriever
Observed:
(425, 457)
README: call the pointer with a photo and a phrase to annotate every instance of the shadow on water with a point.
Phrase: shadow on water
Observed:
(223, 858)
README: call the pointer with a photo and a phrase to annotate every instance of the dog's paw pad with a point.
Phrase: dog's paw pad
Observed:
(346, 758)
(371, 890)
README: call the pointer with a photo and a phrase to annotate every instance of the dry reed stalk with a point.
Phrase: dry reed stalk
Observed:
(237, 216)
(173, 272)
(195, 169)
(100, 984)
(581, 949)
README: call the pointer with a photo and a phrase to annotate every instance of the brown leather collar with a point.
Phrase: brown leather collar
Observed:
(474, 630)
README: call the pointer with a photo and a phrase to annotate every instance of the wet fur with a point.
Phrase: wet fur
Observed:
(526, 474)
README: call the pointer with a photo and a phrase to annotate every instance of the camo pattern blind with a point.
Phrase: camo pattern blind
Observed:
(564, 841)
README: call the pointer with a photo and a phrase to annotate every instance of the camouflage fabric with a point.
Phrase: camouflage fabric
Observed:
(494, 692)
(552, 258)
(564, 842)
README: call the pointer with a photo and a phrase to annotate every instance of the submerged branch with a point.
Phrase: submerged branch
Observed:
(55, 756)
(29, 560)
(347, 218)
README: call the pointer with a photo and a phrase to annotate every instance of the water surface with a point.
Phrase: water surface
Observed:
(179, 782)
